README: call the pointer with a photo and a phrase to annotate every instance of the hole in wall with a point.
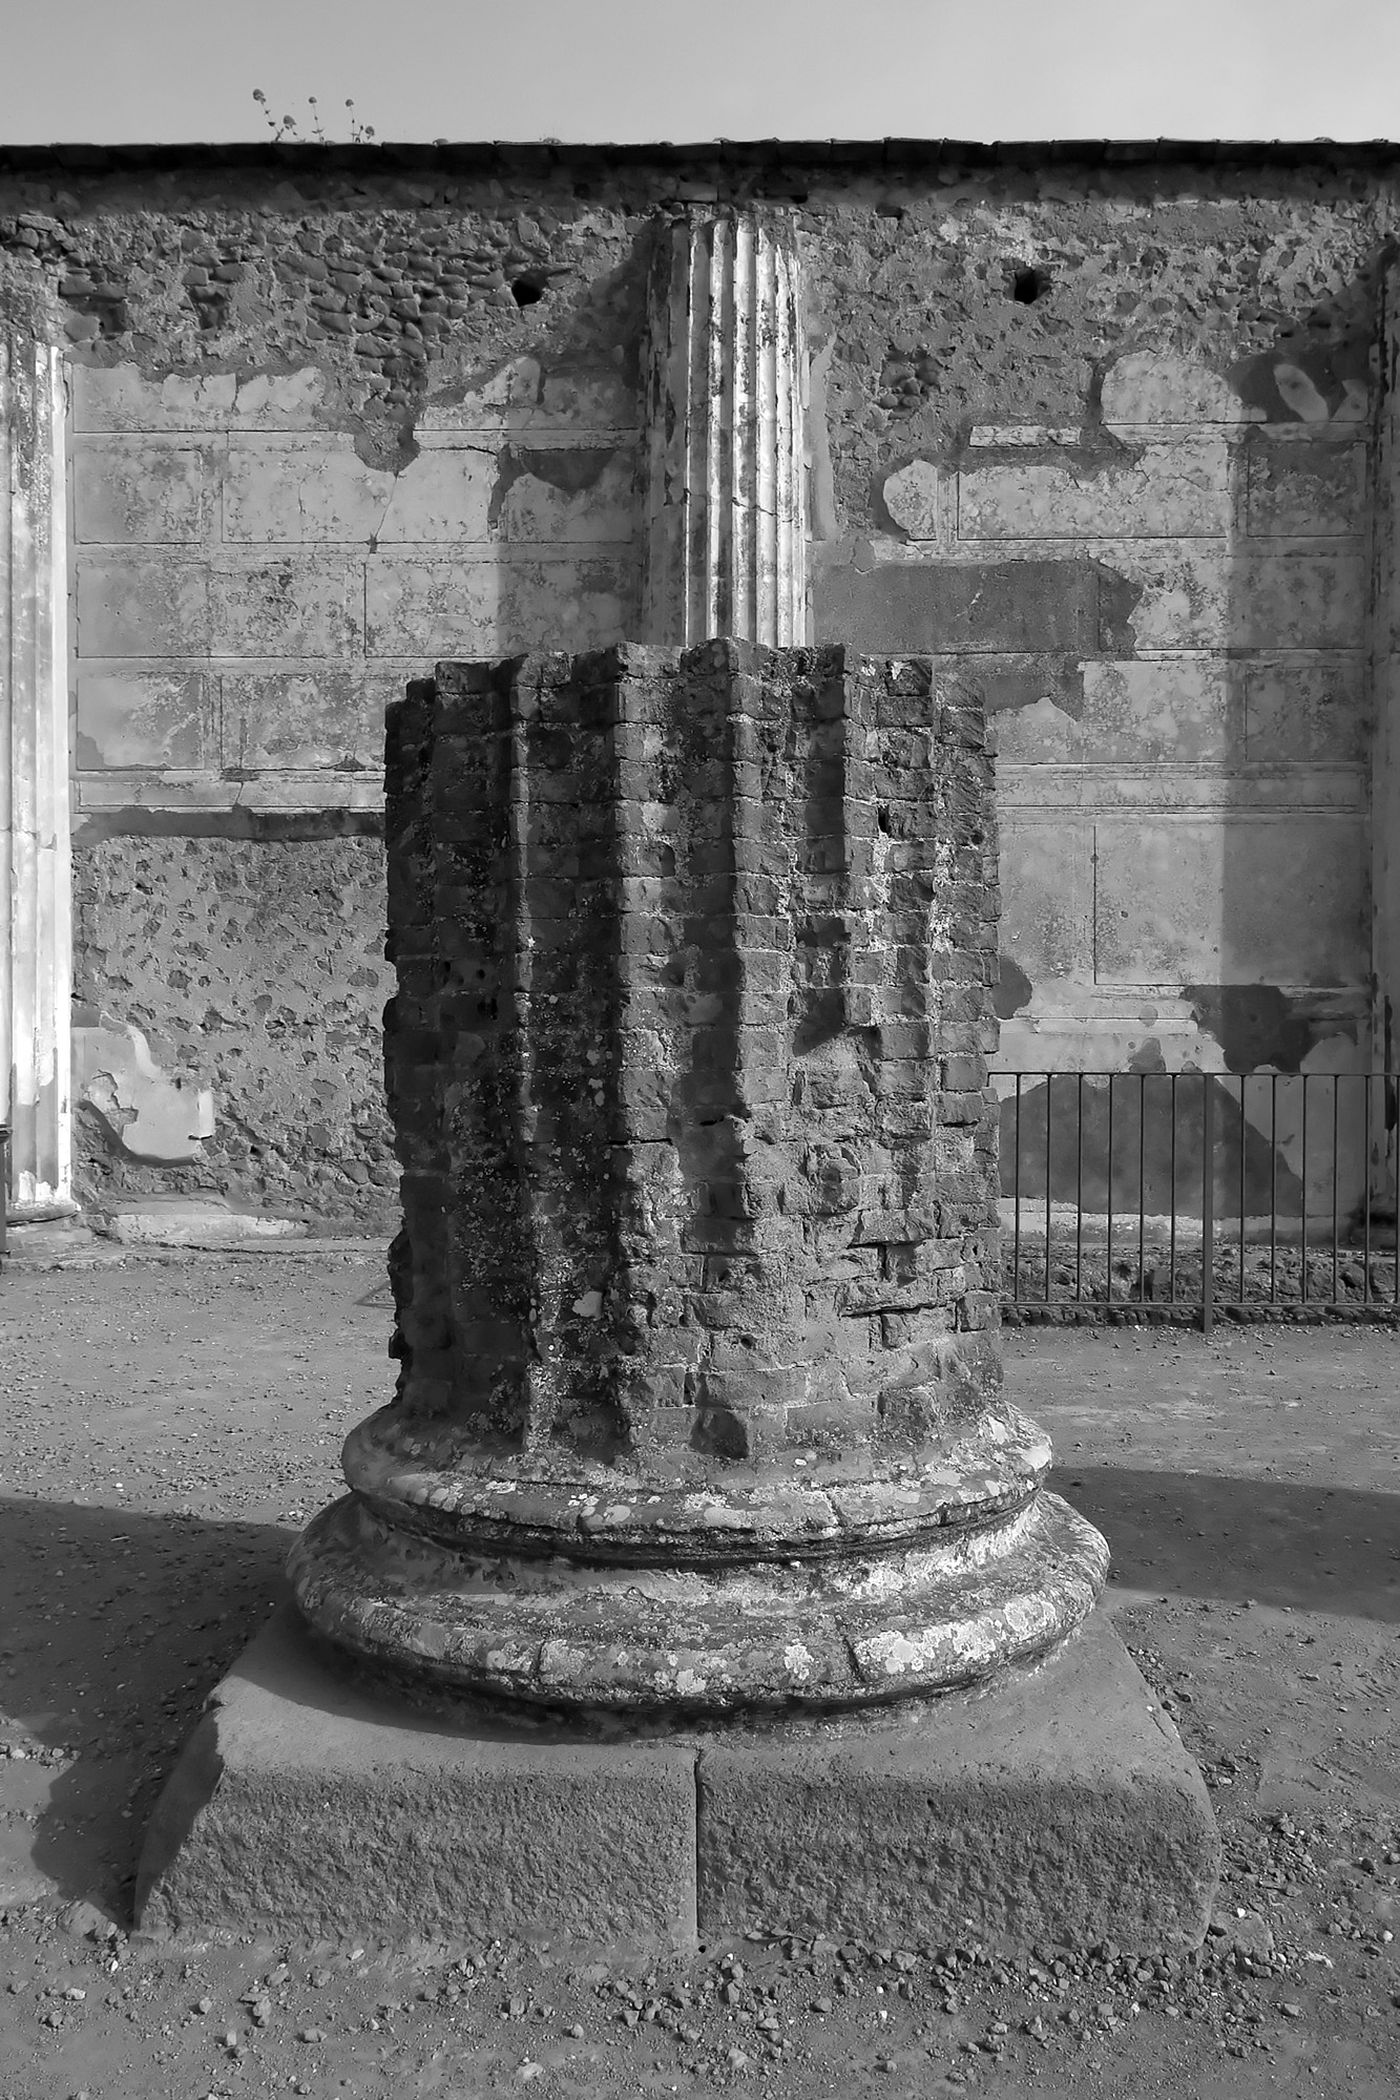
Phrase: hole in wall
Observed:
(1028, 283)
(528, 289)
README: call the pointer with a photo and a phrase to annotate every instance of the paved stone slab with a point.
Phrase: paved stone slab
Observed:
(304, 1805)
(1060, 1806)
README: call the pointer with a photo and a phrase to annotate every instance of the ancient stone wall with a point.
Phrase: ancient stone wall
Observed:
(316, 442)
(251, 967)
(1117, 458)
(1100, 426)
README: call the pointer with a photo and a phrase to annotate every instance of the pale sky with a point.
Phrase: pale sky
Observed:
(151, 70)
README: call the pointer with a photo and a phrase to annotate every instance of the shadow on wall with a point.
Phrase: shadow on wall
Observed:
(1295, 918)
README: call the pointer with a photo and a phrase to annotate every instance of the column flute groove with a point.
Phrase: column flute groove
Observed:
(727, 527)
(37, 964)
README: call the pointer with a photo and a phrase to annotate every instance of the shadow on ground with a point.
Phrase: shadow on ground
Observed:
(1334, 1550)
(123, 1624)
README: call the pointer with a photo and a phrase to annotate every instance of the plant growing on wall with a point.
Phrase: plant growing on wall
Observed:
(289, 128)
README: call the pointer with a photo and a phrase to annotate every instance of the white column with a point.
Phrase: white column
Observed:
(726, 411)
(36, 968)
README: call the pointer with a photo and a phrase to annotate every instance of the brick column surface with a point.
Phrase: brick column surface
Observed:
(700, 1397)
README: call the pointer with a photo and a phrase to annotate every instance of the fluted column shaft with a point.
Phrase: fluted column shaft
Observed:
(36, 965)
(726, 462)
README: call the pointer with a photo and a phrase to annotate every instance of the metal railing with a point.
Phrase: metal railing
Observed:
(1199, 1190)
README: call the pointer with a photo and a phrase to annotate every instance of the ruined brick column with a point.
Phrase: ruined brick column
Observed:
(700, 1396)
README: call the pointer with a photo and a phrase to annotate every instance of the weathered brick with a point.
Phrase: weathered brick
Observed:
(653, 1054)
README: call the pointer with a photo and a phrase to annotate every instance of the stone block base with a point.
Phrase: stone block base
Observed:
(1059, 1806)
(303, 1805)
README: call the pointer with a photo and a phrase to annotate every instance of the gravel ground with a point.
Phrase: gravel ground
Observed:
(170, 1423)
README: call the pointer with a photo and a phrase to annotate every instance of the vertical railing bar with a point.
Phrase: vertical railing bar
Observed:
(1273, 1188)
(1142, 1187)
(1079, 1193)
(1386, 1101)
(1303, 1197)
(1171, 1193)
(1386, 1128)
(1336, 1148)
(1049, 1103)
(1016, 1198)
(1207, 1203)
(1108, 1242)
(1243, 1150)
(1366, 1187)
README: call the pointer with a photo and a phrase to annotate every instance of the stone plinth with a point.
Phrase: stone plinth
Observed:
(700, 1403)
(1056, 1806)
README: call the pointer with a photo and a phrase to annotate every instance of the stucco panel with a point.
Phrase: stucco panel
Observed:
(142, 489)
(301, 490)
(144, 719)
(1170, 490)
(1306, 490)
(494, 606)
(301, 719)
(142, 605)
(1047, 892)
(1243, 899)
(1307, 709)
(295, 605)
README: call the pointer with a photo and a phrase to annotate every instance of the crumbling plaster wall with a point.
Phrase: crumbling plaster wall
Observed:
(1098, 426)
(254, 968)
(322, 433)
(1117, 458)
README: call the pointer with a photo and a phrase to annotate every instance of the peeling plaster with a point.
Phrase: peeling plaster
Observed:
(149, 1114)
(568, 468)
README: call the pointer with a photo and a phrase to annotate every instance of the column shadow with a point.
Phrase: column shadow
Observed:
(1334, 1550)
(120, 1624)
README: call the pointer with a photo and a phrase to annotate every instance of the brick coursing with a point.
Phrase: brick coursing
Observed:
(687, 1058)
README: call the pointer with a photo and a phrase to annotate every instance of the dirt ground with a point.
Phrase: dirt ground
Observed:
(168, 1425)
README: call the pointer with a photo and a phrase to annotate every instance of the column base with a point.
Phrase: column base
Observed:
(1056, 1806)
(840, 1630)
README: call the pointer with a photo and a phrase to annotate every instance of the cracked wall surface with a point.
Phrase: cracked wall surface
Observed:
(254, 969)
(1100, 426)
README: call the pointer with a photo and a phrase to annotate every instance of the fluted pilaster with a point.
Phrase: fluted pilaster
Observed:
(36, 965)
(726, 402)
